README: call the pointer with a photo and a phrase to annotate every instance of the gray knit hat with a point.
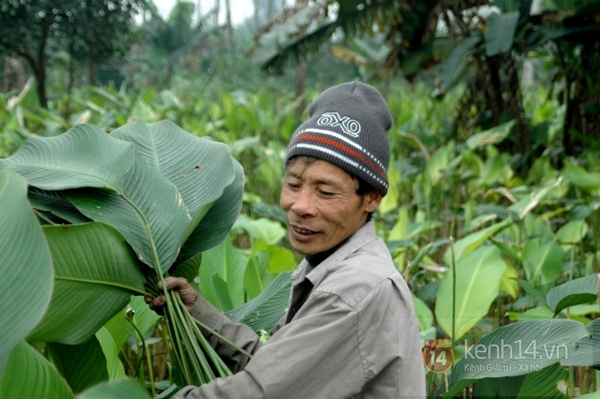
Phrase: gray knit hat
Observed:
(347, 127)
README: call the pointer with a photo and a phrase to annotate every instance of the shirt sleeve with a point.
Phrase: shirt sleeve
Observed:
(316, 355)
(238, 333)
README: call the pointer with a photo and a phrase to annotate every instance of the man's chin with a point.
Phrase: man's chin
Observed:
(303, 249)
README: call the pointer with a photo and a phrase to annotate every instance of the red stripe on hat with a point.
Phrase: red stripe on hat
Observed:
(344, 148)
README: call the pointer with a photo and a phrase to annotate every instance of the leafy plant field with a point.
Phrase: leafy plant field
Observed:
(501, 257)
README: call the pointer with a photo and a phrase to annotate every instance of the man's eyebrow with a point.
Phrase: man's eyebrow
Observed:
(327, 182)
(294, 175)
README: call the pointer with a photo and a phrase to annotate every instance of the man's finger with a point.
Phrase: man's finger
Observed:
(158, 302)
(173, 283)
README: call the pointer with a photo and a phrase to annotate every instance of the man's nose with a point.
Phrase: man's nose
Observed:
(304, 204)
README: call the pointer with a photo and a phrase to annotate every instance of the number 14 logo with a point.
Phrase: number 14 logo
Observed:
(438, 355)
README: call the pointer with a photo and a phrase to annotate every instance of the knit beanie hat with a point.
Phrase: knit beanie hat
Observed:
(347, 127)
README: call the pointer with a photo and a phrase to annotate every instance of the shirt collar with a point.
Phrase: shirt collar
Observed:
(361, 237)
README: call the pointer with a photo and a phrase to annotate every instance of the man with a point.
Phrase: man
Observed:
(350, 330)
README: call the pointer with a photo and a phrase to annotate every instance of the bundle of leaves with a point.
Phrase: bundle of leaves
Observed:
(114, 214)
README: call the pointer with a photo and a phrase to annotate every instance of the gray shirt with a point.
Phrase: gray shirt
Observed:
(350, 332)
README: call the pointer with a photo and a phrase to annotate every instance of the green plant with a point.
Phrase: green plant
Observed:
(532, 348)
(117, 210)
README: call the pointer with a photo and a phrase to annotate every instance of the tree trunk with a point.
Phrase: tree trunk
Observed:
(229, 26)
(38, 64)
(70, 76)
(14, 74)
(169, 76)
(568, 118)
(39, 70)
(71, 67)
(514, 107)
(92, 72)
(228, 16)
(581, 125)
(217, 11)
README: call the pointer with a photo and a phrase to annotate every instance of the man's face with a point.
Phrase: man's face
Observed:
(321, 205)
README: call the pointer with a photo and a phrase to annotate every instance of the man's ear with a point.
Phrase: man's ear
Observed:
(372, 200)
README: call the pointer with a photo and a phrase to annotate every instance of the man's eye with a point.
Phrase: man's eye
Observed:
(292, 185)
(325, 193)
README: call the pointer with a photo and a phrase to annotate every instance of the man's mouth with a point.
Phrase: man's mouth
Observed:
(303, 231)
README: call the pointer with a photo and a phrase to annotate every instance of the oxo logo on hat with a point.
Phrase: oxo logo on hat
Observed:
(348, 126)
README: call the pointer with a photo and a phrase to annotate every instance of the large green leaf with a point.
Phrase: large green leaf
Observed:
(453, 66)
(135, 198)
(84, 156)
(55, 203)
(491, 136)
(471, 242)
(95, 274)
(82, 366)
(438, 163)
(281, 259)
(400, 229)
(574, 292)
(218, 221)
(478, 278)
(25, 264)
(111, 354)
(500, 32)
(262, 312)
(222, 292)
(509, 283)
(117, 328)
(188, 269)
(123, 388)
(200, 168)
(587, 181)
(517, 349)
(389, 203)
(29, 375)
(149, 213)
(272, 45)
(526, 204)
(252, 281)
(542, 260)
(263, 229)
(505, 387)
(572, 232)
(540, 312)
(543, 382)
(228, 264)
(587, 353)
(424, 314)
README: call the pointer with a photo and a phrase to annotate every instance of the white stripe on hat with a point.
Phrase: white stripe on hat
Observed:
(328, 151)
(340, 137)
(330, 133)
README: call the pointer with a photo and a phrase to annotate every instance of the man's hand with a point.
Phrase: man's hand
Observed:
(186, 292)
